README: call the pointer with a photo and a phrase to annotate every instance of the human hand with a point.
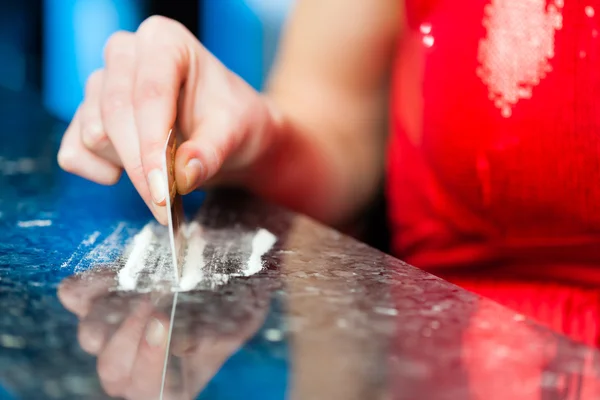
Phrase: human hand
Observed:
(155, 79)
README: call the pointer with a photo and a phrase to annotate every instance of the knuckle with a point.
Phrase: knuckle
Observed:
(94, 139)
(118, 43)
(155, 26)
(150, 89)
(114, 178)
(94, 82)
(83, 337)
(163, 35)
(67, 159)
(114, 101)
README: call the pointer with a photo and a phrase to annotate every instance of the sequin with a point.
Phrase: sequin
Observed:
(515, 54)
(425, 28)
(428, 40)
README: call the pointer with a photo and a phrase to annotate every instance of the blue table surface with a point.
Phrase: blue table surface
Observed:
(38, 337)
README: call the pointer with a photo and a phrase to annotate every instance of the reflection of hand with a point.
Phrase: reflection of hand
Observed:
(128, 334)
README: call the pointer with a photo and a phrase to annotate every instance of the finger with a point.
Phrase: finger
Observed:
(116, 360)
(146, 375)
(93, 135)
(226, 142)
(75, 158)
(163, 62)
(117, 113)
(213, 151)
(92, 336)
(78, 292)
(206, 360)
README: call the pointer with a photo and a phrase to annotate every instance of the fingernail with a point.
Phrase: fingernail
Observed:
(157, 184)
(194, 170)
(155, 333)
(92, 134)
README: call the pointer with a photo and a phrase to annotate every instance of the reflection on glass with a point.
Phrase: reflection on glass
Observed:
(126, 325)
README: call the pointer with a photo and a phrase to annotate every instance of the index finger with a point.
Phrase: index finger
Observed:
(164, 49)
(78, 292)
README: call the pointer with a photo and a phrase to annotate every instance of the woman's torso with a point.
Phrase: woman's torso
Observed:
(494, 160)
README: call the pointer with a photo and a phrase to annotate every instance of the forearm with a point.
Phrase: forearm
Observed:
(327, 157)
(329, 86)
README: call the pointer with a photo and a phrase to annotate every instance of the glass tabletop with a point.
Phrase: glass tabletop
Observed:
(275, 305)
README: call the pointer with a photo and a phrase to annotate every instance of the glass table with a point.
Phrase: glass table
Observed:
(326, 317)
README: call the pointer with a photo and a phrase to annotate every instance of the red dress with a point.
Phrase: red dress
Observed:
(494, 157)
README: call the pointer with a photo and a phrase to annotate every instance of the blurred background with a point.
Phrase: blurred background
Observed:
(50, 47)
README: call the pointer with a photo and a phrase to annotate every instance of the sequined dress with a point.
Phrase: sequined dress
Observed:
(494, 156)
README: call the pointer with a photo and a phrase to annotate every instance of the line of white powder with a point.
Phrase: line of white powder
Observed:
(147, 254)
(36, 223)
(261, 244)
(128, 275)
(194, 269)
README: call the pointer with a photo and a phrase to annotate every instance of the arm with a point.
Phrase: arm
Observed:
(330, 84)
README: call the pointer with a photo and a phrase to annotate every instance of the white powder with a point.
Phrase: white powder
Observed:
(128, 275)
(91, 239)
(148, 263)
(221, 279)
(146, 257)
(82, 248)
(261, 244)
(107, 252)
(193, 267)
(34, 223)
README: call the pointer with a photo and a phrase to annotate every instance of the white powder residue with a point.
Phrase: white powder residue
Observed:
(148, 263)
(261, 244)
(91, 239)
(34, 223)
(221, 279)
(68, 261)
(193, 267)
(129, 274)
(107, 252)
(87, 242)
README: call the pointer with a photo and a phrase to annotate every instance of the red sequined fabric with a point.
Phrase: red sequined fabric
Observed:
(494, 158)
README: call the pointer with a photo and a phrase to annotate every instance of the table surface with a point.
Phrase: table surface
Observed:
(328, 317)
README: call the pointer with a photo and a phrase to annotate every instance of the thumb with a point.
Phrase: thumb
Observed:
(220, 143)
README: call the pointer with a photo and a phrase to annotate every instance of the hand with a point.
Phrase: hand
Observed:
(155, 79)
(128, 333)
